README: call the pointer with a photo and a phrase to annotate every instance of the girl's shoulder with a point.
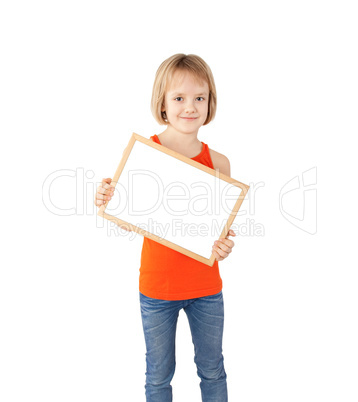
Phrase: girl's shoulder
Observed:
(220, 162)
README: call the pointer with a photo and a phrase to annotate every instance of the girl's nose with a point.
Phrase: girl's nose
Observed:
(190, 108)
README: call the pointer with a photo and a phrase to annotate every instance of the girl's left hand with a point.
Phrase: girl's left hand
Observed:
(223, 247)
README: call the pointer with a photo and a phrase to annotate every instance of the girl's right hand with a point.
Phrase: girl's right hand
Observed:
(104, 194)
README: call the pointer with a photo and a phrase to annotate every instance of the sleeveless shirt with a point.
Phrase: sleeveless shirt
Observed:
(170, 275)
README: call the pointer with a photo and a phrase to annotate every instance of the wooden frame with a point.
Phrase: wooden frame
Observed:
(141, 152)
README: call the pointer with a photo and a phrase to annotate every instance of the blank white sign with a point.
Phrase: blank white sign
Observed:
(172, 199)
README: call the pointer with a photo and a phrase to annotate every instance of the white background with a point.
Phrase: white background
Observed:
(76, 80)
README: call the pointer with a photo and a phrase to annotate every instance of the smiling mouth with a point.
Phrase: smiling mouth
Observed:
(189, 118)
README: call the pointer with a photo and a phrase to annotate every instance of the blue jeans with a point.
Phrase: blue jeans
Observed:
(206, 320)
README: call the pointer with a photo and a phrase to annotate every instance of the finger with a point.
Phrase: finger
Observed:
(103, 198)
(101, 192)
(104, 192)
(99, 202)
(108, 180)
(218, 245)
(105, 189)
(216, 255)
(222, 253)
(225, 243)
(231, 233)
(106, 183)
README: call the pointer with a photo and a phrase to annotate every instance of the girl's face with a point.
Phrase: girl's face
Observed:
(186, 103)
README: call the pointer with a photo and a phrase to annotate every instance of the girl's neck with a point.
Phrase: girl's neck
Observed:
(174, 137)
(186, 144)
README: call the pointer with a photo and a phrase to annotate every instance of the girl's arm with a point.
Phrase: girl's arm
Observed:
(220, 162)
(222, 247)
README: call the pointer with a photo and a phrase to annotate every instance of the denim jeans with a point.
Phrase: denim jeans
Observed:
(206, 320)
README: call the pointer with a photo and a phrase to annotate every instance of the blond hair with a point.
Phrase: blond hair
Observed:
(181, 62)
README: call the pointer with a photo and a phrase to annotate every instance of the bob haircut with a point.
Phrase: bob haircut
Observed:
(181, 62)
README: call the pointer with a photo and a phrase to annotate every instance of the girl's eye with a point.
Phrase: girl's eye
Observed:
(200, 98)
(178, 98)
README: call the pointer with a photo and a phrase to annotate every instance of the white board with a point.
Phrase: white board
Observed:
(172, 199)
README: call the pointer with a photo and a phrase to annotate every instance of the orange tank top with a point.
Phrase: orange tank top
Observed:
(170, 275)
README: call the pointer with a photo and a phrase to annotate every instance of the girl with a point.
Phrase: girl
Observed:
(183, 99)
